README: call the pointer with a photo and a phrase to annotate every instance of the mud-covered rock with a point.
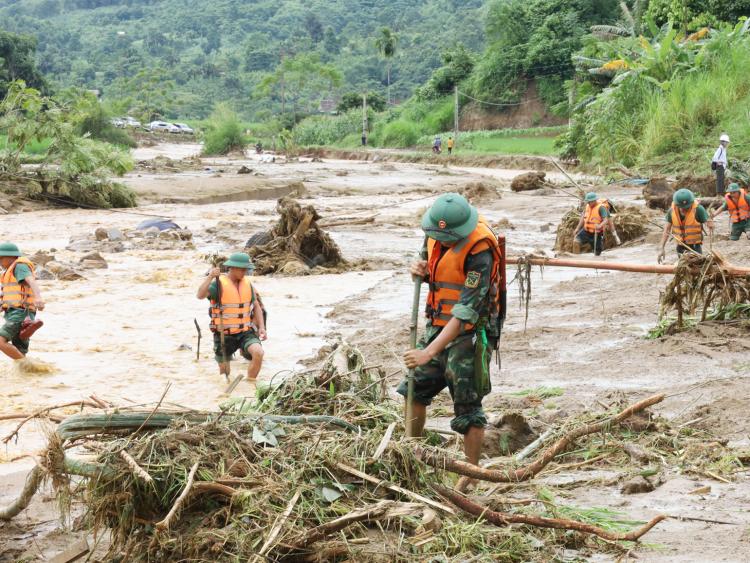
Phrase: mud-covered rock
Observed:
(44, 274)
(528, 181)
(658, 193)
(63, 272)
(636, 485)
(244, 170)
(507, 434)
(41, 258)
(101, 234)
(93, 261)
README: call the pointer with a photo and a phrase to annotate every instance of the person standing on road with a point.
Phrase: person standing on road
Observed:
(685, 222)
(720, 163)
(450, 145)
(737, 202)
(235, 307)
(21, 299)
(595, 219)
(437, 144)
(463, 265)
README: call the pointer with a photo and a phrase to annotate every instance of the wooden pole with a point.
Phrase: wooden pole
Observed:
(413, 342)
(617, 266)
(364, 118)
(455, 115)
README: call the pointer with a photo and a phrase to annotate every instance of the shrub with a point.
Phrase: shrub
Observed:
(224, 132)
(95, 123)
(399, 134)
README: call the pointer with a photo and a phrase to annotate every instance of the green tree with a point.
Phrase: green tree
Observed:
(150, 91)
(353, 100)
(17, 62)
(386, 43)
(299, 80)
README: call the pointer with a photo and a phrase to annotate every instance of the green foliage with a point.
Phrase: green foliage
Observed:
(149, 94)
(95, 122)
(77, 167)
(219, 50)
(327, 130)
(669, 105)
(386, 43)
(400, 133)
(224, 132)
(17, 62)
(352, 100)
(458, 63)
(690, 15)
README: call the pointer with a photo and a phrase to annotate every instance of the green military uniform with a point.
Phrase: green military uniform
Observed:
(14, 317)
(233, 342)
(740, 226)
(463, 366)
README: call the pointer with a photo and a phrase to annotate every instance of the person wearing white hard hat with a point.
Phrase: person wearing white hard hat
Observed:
(719, 163)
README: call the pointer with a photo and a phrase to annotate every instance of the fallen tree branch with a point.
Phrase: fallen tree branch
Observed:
(137, 470)
(53, 417)
(504, 519)
(341, 222)
(528, 471)
(163, 525)
(42, 412)
(213, 487)
(383, 510)
(395, 488)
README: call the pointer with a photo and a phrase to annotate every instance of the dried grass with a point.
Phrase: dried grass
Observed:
(631, 223)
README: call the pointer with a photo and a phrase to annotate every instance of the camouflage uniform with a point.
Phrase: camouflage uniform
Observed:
(454, 366)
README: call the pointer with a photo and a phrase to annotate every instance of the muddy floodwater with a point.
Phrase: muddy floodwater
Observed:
(126, 332)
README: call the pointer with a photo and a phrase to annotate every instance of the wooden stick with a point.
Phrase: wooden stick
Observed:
(218, 488)
(163, 525)
(528, 471)
(52, 417)
(33, 480)
(395, 488)
(277, 526)
(352, 221)
(533, 446)
(137, 470)
(384, 442)
(40, 412)
(385, 509)
(505, 518)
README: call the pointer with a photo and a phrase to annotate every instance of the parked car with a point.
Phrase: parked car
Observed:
(158, 126)
(174, 129)
(131, 122)
(185, 129)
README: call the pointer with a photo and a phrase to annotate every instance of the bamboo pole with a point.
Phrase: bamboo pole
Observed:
(616, 266)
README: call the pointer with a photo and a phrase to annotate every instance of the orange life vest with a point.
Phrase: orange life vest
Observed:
(447, 276)
(740, 210)
(17, 295)
(689, 230)
(593, 219)
(235, 308)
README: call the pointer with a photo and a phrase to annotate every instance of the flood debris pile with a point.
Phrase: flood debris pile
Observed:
(315, 470)
(703, 289)
(659, 190)
(631, 223)
(481, 191)
(296, 244)
(529, 181)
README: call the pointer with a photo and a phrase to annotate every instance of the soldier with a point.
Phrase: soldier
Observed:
(685, 221)
(737, 202)
(593, 222)
(463, 266)
(21, 299)
(237, 310)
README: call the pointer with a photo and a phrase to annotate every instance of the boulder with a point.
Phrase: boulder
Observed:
(93, 261)
(63, 272)
(658, 193)
(244, 170)
(115, 235)
(42, 274)
(101, 234)
(528, 181)
(41, 258)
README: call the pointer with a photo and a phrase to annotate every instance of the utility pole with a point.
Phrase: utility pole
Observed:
(364, 119)
(455, 114)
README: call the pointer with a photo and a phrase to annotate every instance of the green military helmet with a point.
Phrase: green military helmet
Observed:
(450, 219)
(733, 188)
(683, 198)
(9, 249)
(591, 196)
(239, 260)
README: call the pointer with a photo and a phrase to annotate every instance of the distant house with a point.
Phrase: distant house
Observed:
(327, 105)
(97, 93)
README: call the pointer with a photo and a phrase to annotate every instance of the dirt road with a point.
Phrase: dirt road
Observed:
(124, 333)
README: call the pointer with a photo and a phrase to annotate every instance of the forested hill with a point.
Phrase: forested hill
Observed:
(216, 50)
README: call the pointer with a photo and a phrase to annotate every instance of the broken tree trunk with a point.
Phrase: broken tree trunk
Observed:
(528, 471)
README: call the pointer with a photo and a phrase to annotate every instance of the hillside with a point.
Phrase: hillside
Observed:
(216, 50)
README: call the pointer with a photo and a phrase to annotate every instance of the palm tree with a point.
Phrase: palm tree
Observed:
(386, 46)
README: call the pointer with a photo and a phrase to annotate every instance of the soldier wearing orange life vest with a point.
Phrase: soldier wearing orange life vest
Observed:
(464, 268)
(594, 220)
(21, 299)
(685, 223)
(737, 202)
(235, 308)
